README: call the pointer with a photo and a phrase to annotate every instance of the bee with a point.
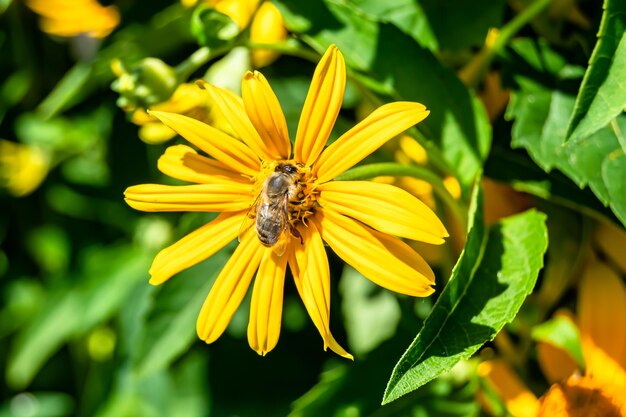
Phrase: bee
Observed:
(272, 208)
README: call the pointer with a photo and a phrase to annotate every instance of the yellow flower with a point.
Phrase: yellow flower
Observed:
(75, 17)
(267, 24)
(289, 201)
(188, 100)
(599, 389)
(22, 167)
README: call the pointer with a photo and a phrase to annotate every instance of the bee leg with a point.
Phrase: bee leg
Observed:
(296, 234)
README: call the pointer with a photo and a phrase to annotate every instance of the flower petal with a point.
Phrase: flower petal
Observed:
(265, 113)
(556, 364)
(266, 306)
(384, 207)
(309, 266)
(233, 110)
(184, 163)
(385, 260)
(197, 197)
(229, 288)
(321, 106)
(226, 149)
(371, 133)
(196, 246)
(602, 310)
(268, 26)
(519, 400)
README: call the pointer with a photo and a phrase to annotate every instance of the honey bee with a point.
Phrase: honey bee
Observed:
(272, 207)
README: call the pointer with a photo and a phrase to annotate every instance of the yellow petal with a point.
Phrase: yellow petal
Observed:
(265, 113)
(184, 163)
(371, 133)
(73, 18)
(266, 306)
(519, 400)
(22, 167)
(602, 314)
(321, 106)
(155, 133)
(556, 364)
(612, 240)
(267, 27)
(385, 260)
(231, 152)
(232, 108)
(309, 266)
(384, 207)
(200, 197)
(196, 246)
(229, 288)
(239, 10)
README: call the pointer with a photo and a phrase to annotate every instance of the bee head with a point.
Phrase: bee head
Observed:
(286, 169)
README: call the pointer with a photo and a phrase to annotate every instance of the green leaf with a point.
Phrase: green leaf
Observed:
(170, 328)
(371, 316)
(602, 95)
(494, 274)
(455, 24)
(457, 124)
(614, 176)
(408, 15)
(562, 333)
(341, 390)
(212, 28)
(67, 314)
(541, 107)
(460, 24)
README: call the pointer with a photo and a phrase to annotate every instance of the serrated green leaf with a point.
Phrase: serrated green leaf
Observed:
(541, 106)
(602, 95)
(614, 176)
(496, 271)
(457, 124)
(562, 333)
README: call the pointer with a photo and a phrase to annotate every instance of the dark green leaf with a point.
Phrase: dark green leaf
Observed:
(341, 390)
(496, 271)
(602, 95)
(435, 25)
(614, 176)
(170, 327)
(457, 124)
(541, 107)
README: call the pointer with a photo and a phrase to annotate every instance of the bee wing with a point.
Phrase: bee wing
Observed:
(249, 220)
(280, 246)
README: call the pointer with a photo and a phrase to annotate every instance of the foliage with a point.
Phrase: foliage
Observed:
(526, 95)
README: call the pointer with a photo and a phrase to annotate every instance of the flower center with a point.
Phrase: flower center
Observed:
(288, 189)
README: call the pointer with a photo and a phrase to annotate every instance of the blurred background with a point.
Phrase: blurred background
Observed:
(82, 333)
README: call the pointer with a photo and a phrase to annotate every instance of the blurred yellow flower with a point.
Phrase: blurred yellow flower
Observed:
(22, 167)
(188, 100)
(267, 24)
(283, 204)
(599, 389)
(75, 17)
